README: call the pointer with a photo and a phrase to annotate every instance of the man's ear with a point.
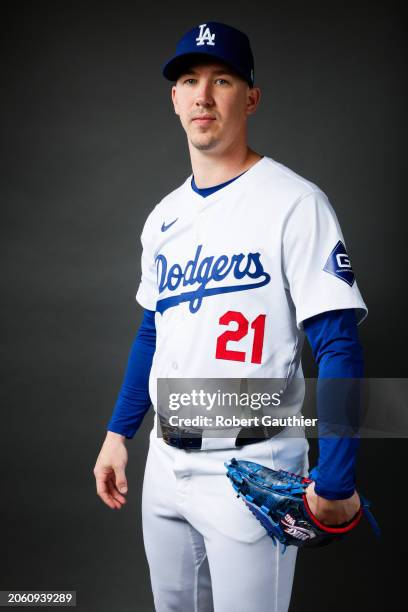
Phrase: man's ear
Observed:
(253, 98)
(174, 98)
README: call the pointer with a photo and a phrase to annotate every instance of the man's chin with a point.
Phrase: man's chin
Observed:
(204, 144)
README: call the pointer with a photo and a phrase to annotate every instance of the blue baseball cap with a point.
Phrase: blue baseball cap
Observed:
(212, 40)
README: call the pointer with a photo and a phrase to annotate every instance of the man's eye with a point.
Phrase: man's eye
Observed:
(190, 81)
(223, 81)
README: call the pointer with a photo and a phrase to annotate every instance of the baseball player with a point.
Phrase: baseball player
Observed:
(239, 264)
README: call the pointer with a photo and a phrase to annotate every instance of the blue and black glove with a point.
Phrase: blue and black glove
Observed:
(278, 500)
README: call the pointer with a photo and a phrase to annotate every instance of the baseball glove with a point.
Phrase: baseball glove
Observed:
(278, 500)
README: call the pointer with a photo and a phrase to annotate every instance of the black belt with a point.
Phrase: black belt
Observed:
(192, 439)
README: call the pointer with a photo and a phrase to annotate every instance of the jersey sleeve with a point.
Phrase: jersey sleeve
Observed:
(147, 292)
(316, 267)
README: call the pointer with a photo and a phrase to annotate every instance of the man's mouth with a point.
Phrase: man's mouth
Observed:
(203, 120)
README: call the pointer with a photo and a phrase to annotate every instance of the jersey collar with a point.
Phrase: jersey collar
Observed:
(234, 184)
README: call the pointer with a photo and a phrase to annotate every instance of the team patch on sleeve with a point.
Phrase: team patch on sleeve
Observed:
(338, 264)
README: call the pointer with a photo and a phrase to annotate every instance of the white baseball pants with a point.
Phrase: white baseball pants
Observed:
(206, 551)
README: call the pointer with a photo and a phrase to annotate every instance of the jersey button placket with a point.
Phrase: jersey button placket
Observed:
(200, 224)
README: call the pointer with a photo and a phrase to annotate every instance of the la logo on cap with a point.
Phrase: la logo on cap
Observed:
(205, 37)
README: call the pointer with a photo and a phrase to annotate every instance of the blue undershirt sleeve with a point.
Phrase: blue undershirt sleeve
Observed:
(333, 337)
(134, 401)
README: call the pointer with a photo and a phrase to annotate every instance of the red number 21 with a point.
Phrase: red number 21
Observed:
(258, 325)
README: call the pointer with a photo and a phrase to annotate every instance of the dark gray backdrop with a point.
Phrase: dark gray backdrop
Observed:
(90, 144)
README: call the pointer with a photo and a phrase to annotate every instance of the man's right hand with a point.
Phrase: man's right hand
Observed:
(109, 471)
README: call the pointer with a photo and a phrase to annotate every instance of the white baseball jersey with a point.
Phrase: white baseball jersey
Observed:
(233, 275)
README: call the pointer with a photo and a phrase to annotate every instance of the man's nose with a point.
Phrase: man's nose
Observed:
(204, 95)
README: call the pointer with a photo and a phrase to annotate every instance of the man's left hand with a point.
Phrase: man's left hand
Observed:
(332, 511)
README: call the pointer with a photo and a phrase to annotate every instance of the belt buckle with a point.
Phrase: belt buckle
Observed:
(192, 442)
